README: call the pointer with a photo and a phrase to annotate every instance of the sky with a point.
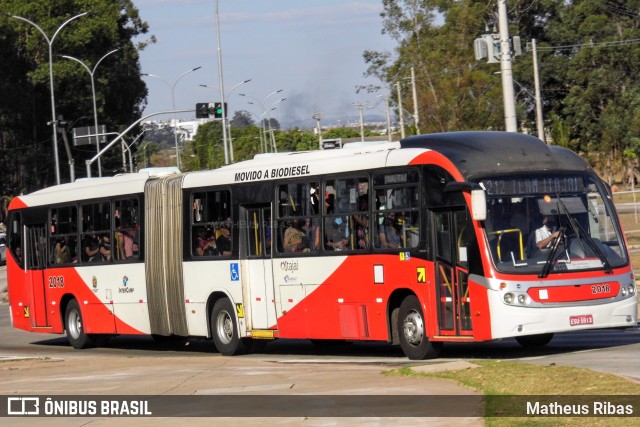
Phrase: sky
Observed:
(310, 49)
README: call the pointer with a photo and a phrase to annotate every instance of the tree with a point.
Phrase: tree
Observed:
(588, 57)
(454, 93)
(25, 106)
(242, 119)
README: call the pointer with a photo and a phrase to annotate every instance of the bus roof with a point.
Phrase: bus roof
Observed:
(477, 153)
(474, 153)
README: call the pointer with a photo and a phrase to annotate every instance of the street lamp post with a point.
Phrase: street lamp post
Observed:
(221, 82)
(226, 122)
(265, 109)
(173, 105)
(273, 138)
(93, 92)
(53, 100)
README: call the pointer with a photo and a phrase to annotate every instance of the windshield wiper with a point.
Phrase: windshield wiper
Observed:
(552, 254)
(580, 233)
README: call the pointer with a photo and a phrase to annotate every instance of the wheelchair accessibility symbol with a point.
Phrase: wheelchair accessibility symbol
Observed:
(235, 272)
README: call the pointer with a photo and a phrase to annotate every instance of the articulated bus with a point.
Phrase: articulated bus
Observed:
(428, 240)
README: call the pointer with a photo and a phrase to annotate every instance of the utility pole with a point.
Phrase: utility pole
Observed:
(400, 112)
(317, 117)
(386, 98)
(360, 106)
(506, 70)
(416, 118)
(536, 81)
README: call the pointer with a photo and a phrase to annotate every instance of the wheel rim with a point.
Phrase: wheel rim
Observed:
(224, 327)
(413, 328)
(74, 324)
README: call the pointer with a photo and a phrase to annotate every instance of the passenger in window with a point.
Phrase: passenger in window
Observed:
(361, 223)
(336, 233)
(62, 252)
(105, 248)
(18, 253)
(295, 238)
(335, 228)
(312, 228)
(223, 242)
(90, 247)
(206, 243)
(125, 241)
(388, 233)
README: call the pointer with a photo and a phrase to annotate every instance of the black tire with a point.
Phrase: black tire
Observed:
(412, 332)
(224, 329)
(533, 341)
(73, 325)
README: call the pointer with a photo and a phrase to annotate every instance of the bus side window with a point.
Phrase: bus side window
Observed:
(346, 214)
(63, 240)
(397, 205)
(211, 224)
(298, 217)
(95, 222)
(127, 231)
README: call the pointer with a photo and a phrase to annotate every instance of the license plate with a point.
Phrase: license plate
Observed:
(583, 319)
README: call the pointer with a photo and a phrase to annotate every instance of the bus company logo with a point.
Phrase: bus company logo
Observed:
(125, 289)
(289, 266)
(94, 283)
(289, 279)
(23, 406)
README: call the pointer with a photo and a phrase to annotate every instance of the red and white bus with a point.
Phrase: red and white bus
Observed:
(424, 241)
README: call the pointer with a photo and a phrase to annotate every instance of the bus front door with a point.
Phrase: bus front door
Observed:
(451, 272)
(36, 259)
(255, 258)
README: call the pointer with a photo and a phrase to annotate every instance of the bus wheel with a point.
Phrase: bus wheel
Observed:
(531, 341)
(73, 325)
(411, 329)
(224, 328)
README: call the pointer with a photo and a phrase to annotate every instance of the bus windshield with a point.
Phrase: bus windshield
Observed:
(550, 224)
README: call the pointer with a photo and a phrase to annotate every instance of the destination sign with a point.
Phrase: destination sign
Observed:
(533, 185)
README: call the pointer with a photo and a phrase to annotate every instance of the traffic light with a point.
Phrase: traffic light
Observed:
(218, 111)
(202, 110)
(207, 109)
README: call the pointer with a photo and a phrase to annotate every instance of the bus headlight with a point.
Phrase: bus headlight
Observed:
(508, 298)
(623, 291)
(632, 289)
(522, 299)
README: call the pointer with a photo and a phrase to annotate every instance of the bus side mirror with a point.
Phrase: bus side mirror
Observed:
(478, 205)
(478, 197)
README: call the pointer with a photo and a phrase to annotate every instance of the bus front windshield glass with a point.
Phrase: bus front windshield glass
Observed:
(549, 224)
